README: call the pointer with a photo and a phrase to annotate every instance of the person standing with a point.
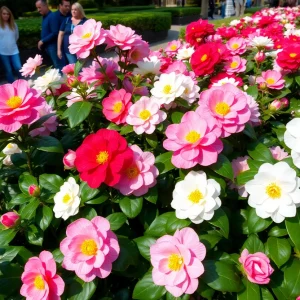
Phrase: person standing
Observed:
(9, 52)
(239, 7)
(66, 29)
(211, 8)
(229, 10)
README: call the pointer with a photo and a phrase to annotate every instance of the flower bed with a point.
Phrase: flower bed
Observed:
(158, 175)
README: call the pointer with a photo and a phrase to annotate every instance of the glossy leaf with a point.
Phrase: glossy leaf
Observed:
(77, 112)
(131, 207)
(279, 250)
(116, 220)
(220, 220)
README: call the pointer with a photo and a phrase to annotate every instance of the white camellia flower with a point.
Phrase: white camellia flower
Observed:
(196, 197)
(226, 80)
(274, 192)
(10, 149)
(291, 138)
(261, 41)
(191, 90)
(148, 66)
(168, 87)
(234, 22)
(67, 201)
(185, 53)
(42, 83)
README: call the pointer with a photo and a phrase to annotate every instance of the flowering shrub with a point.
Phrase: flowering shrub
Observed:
(170, 174)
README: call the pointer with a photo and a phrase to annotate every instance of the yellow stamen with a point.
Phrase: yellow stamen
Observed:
(203, 58)
(292, 55)
(89, 247)
(175, 262)
(193, 136)
(270, 81)
(117, 107)
(222, 108)
(235, 46)
(39, 282)
(145, 114)
(14, 102)
(102, 157)
(87, 35)
(273, 190)
(132, 172)
(234, 64)
(167, 89)
(66, 198)
(173, 47)
(195, 196)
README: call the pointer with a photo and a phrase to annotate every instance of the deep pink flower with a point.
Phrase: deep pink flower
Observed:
(9, 219)
(28, 69)
(121, 36)
(40, 281)
(260, 57)
(34, 190)
(194, 141)
(139, 51)
(86, 37)
(235, 64)
(177, 261)
(256, 266)
(69, 159)
(116, 106)
(236, 45)
(273, 79)
(278, 153)
(227, 105)
(139, 174)
(19, 104)
(89, 248)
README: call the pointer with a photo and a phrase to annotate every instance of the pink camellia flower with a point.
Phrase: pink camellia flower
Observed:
(9, 219)
(256, 266)
(144, 115)
(89, 248)
(235, 64)
(69, 70)
(139, 51)
(236, 45)
(254, 110)
(49, 125)
(260, 57)
(28, 69)
(177, 261)
(69, 159)
(173, 47)
(86, 37)
(278, 153)
(34, 190)
(273, 79)
(122, 37)
(116, 106)
(40, 281)
(239, 165)
(194, 141)
(138, 175)
(227, 105)
(19, 104)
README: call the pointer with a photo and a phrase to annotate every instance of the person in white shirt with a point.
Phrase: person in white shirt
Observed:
(9, 52)
(229, 9)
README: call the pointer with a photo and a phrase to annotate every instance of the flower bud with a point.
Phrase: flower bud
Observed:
(69, 159)
(260, 57)
(262, 86)
(9, 219)
(275, 105)
(34, 190)
(284, 102)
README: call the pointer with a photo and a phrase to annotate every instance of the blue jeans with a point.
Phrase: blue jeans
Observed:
(72, 58)
(52, 52)
(11, 63)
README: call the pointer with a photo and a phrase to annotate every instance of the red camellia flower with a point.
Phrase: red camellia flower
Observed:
(101, 156)
(204, 59)
(289, 57)
(197, 31)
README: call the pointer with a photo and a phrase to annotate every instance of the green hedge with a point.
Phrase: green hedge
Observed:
(179, 11)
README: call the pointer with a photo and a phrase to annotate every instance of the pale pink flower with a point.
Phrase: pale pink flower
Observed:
(173, 47)
(68, 159)
(86, 37)
(177, 261)
(89, 248)
(273, 79)
(194, 141)
(78, 95)
(254, 110)
(139, 51)
(48, 126)
(235, 64)
(256, 267)
(116, 106)
(9, 219)
(260, 57)
(278, 153)
(40, 281)
(121, 36)
(19, 105)
(28, 69)
(139, 174)
(227, 105)
(144, 115)
(236, 45)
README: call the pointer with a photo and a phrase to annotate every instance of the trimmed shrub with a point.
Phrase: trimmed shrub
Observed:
(87, 3)
(180, 11)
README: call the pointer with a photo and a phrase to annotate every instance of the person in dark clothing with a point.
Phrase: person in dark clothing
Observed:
(211, 8)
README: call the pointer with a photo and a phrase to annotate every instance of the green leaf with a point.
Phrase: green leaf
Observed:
(34, 235)
(292, 279)
(8, 253)
(99, 200)
(152, 140)
(87, 193)
(126, 129)
(220, 220)
(51, 182)
(48, 144)
(221, 276)
(143, 244)
(204, 290)
(252, 91)
(288, 81)
(266, 294)
(174, 223)
(78, 65)
(58, 256)
(152, 195)
(260, 152)
(278, 285)
(279, 250)
(77, 112)
(25, 181)
(10, 279)
(158, 226)
(19, 199)
(251, 291)
(28, 212)
(88, 213)
(297, 79)
(249, 131)
(176, 117)
(223, 167)
(80, 290)
(253, 244)
(171, 297)
(44, 217)
(116, 220)
(210, 240)
(293, 229)
(278, 230)
(257, 224)
(163, 162)
(246, 176)
(131, 206)
(146, 289)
